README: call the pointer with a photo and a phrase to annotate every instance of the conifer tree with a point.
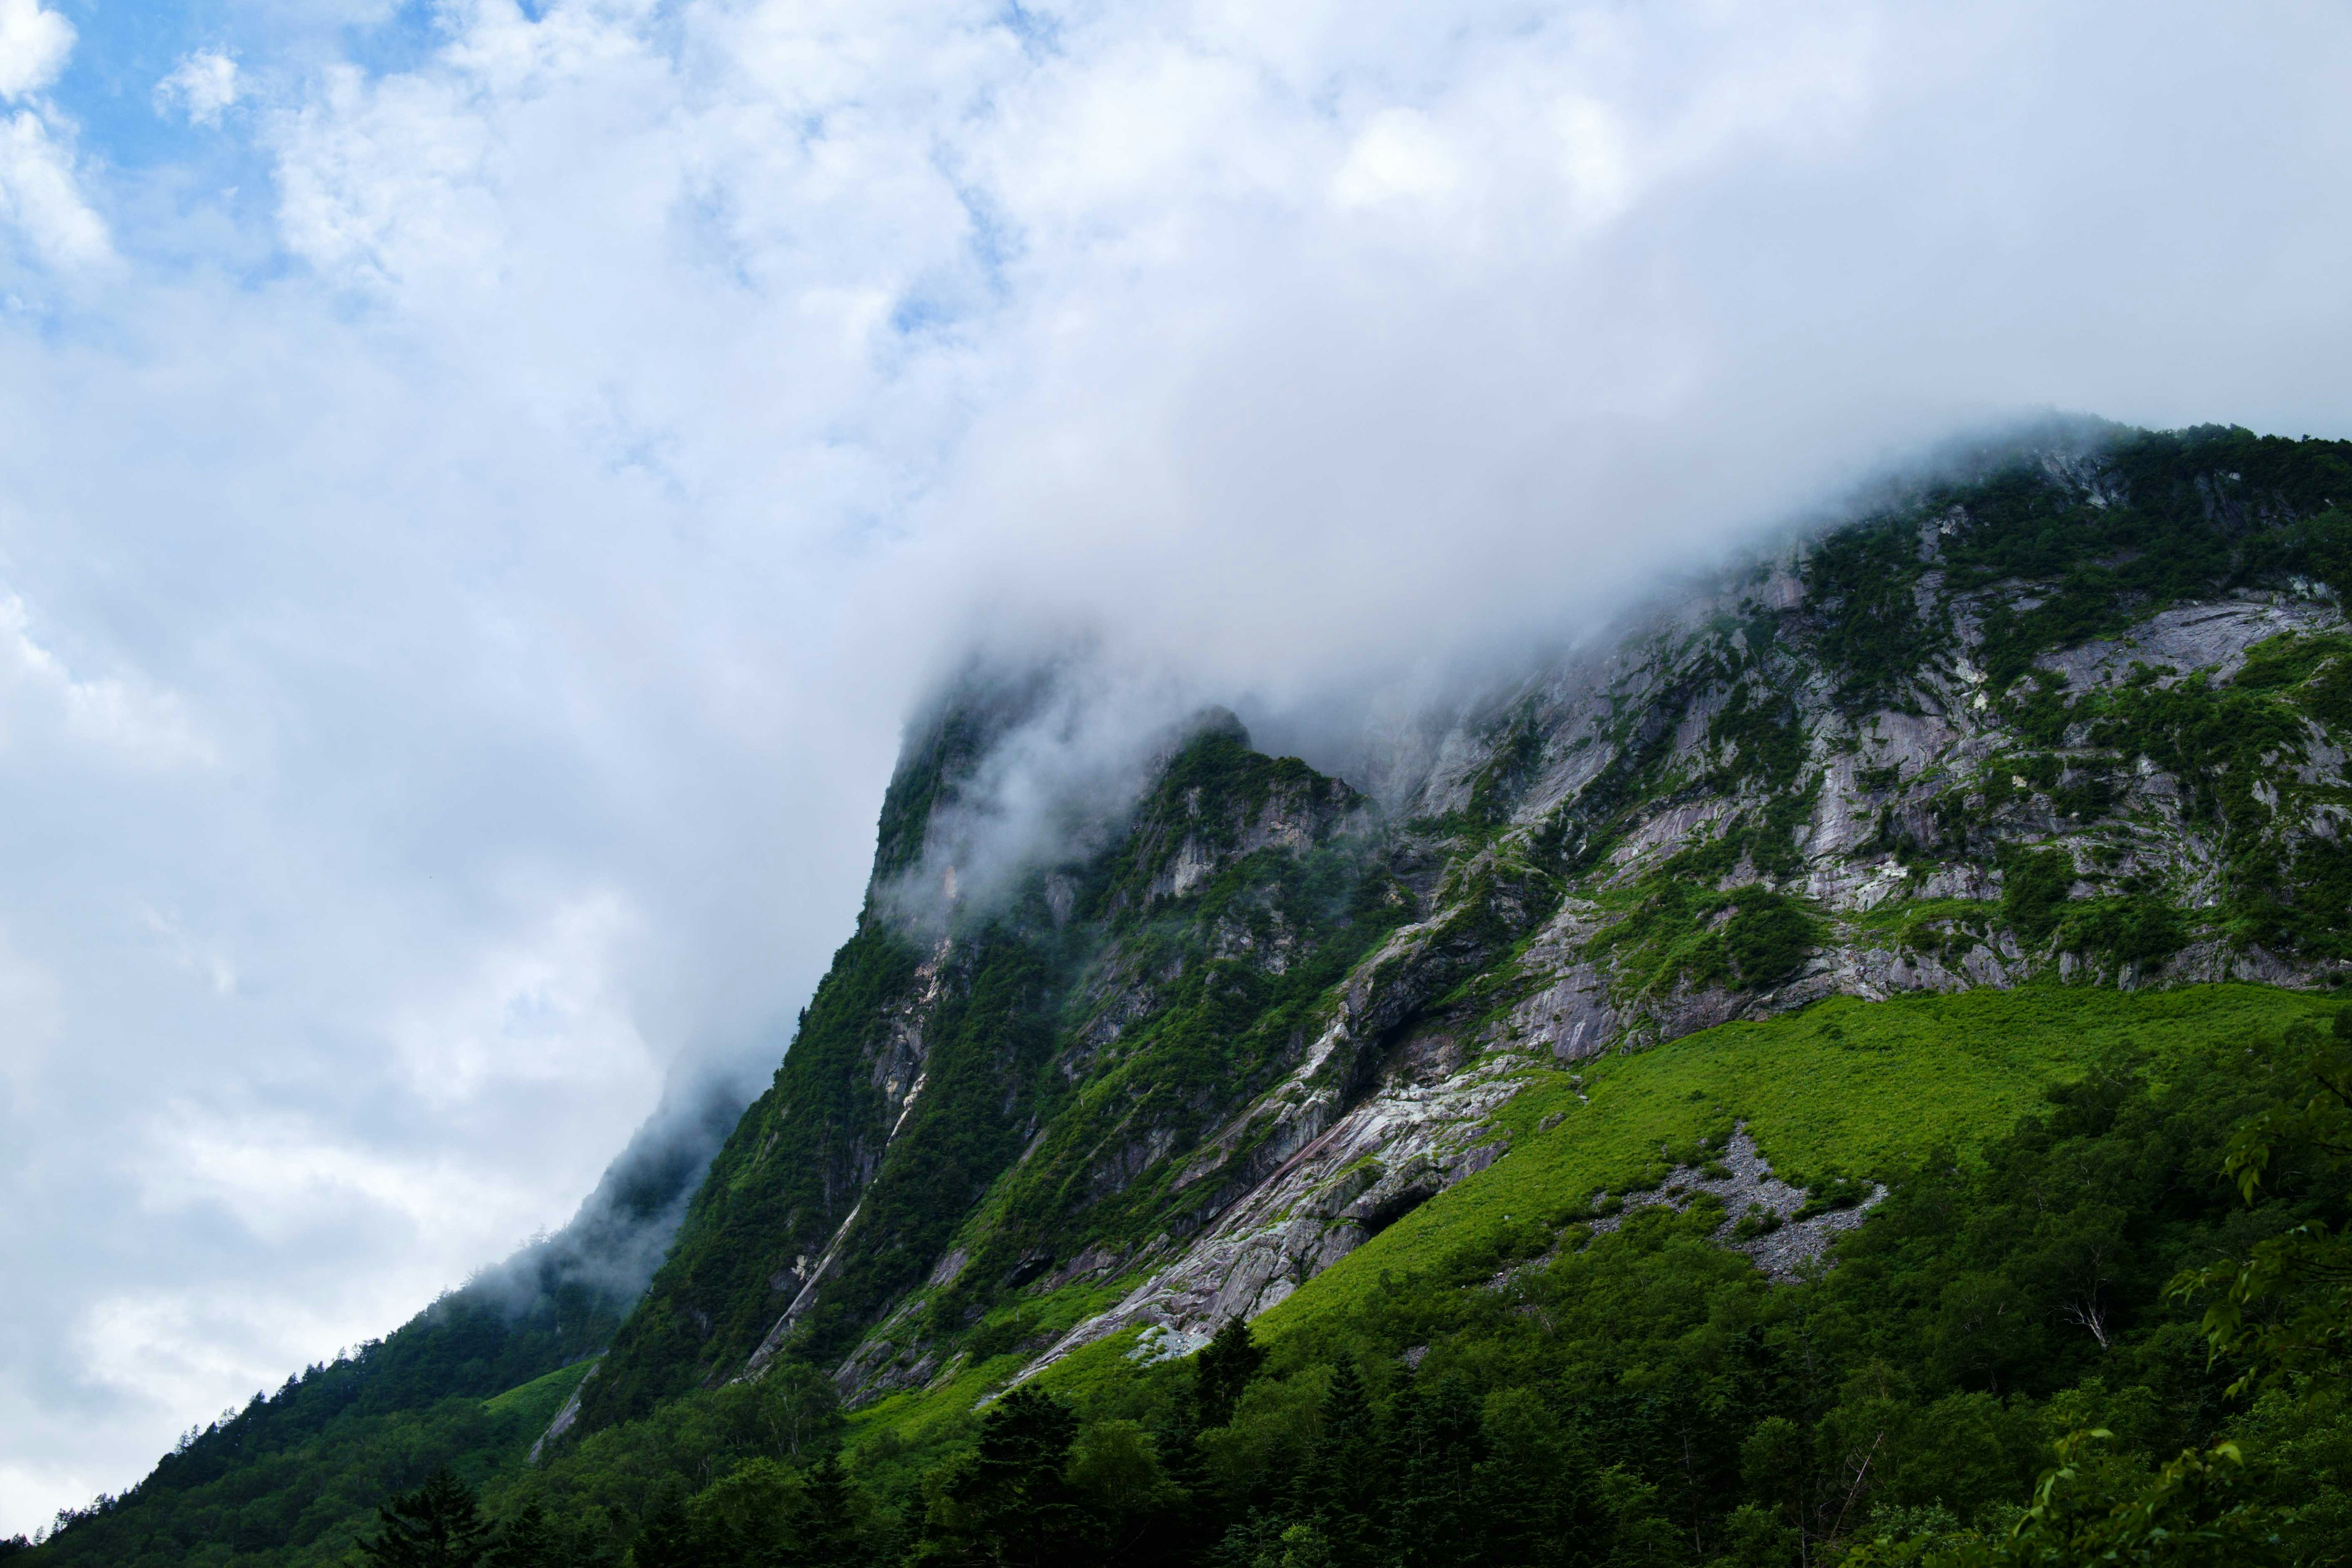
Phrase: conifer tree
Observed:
(439, 1525)
(528, 1541)
(828, 1525)
(667, 1539)
(1346, 1477)
(1222, 1370)
(1434, 1447)
(1193, 1518)
(1010, 1503)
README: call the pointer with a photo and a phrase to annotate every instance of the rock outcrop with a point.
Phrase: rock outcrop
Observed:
(1209, 1043)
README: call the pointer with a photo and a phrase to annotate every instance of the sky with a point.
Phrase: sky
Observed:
(481, 485)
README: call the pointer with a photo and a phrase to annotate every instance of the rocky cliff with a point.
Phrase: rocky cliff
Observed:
(2079, 716)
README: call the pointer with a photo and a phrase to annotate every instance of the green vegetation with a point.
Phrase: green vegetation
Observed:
(2044, 1292)
(1181, 1003)
(291, 1477)
(1680, 929)
(1845, 1087)
(2188, 514)
(2233, 747)
(1682, 933)
(998, 1115)
(782, 1184)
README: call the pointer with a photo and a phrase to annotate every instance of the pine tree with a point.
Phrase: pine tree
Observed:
(1010, 1504)
(1222, 1370)
(1346, 1478)
(1192, 1521)
(528, 1541)
(667, 1539)
(1436, 1444)
(828, 1524)
(439, 1525)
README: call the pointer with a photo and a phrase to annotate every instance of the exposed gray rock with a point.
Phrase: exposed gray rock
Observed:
(1390, 1098)
(1784, 1252)
(1354, 1176)
(565, 1418)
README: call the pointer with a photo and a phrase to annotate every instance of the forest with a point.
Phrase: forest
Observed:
(2116, 1334)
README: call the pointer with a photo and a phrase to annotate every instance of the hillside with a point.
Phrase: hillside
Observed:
(1621, 1000)
(474, 1377)
(2080, 720)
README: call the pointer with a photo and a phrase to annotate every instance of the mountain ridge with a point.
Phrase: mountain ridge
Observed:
(1084, 1086)
(1708, 818)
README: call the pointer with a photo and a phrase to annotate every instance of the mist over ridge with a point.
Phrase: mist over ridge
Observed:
(482, 488)
(1063, 723)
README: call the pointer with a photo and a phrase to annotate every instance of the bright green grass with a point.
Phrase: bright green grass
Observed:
(917, 1415)
(1850, 1085)
(1847, 1085)
(537, 1402)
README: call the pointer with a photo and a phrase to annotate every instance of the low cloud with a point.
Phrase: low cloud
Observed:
(465, 602)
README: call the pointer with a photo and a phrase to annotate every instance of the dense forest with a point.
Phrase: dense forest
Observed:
(2118, 1334)
(2030, 1357)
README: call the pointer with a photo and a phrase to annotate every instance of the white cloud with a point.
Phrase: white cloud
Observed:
(283, 1178)
(1398, 155)
(34, 44)
(40, 197)
(32, 1017)
(466, 608)
(123, 719)
(548, 1010)
(201, 88)
(188, 951)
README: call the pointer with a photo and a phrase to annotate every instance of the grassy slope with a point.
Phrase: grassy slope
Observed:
(1844, 1086)
(535, 1403)
(305, 1504)
(1847, 1086)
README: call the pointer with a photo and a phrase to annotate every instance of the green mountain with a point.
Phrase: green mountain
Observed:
(1733, 1093)
(478, 1374)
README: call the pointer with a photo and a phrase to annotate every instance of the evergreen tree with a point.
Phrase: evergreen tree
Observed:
(1435, 1447)
(828, 1524)
(439, 1525)
(1010, 1504)
(1346, 1480)
(667, 1539)
(528, 1541)
(1250, 1542)
(1193, 1520)
(1222, 1370)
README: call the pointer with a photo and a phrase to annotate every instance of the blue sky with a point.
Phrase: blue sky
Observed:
(479, 487)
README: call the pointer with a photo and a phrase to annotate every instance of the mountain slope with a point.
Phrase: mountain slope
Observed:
(1850, 854)
(472, 1380)
(2081, 717)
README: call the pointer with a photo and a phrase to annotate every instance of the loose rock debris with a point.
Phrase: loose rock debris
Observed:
(1781, 1253)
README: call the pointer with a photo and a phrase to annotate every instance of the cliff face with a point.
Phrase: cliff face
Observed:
(2083, 717)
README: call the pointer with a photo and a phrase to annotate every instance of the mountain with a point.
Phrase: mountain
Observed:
(1775, 915)
(2080, 719)
(481, 1369)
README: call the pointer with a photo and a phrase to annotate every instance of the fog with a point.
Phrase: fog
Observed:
(482, 491)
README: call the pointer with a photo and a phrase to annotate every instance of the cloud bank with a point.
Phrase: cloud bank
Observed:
(479, 488)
